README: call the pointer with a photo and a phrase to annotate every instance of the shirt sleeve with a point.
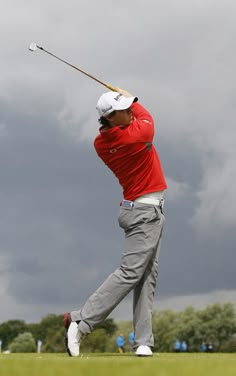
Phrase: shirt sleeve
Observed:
(142, 127)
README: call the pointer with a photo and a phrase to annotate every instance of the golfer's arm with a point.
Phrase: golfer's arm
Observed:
(142, 127)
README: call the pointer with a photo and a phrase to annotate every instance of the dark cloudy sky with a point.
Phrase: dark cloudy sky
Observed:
(59, 234)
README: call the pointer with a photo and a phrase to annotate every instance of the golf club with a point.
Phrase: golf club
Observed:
(34, 47)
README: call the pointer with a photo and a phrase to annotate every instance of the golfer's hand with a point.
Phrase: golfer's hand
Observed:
(123, 92)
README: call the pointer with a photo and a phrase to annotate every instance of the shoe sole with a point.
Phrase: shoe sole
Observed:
(66, 343)
(67, 321)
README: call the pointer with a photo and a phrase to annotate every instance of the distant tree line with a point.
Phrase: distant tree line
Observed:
(216, 324)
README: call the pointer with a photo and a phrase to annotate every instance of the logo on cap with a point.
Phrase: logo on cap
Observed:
(106, 109)
(118, 97)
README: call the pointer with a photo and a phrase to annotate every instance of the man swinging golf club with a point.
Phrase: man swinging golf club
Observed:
(124, 143)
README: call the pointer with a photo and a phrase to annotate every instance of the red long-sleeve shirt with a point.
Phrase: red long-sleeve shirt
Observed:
(129, 153)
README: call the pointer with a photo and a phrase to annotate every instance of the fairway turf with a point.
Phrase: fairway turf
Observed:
(117, 365)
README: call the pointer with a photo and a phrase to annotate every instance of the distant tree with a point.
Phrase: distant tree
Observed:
(218, 323)
(54, 342)
(23, 343)
(165, 325)
(10, 329)
(124, 327)
(215, 324)
(229, 346)
(49, 325)
(101, 339)
(189, 328)
(109, 326)
(97, 341)
(37, 331)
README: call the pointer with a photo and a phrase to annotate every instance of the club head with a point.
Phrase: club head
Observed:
(33, 47)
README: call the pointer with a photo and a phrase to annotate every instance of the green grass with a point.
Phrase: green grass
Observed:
(118, 365)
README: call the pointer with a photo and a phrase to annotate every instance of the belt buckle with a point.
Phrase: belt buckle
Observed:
(127, 204)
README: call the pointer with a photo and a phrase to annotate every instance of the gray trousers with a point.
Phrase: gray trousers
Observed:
(138, 271)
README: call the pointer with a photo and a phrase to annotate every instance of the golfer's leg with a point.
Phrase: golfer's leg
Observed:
(143, 304)
(103, 301)
(136, 256)
(143, 298)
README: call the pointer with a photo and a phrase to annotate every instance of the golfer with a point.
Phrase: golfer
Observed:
(125, 144)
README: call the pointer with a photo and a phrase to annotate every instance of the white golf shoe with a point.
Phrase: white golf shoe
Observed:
(72, 335)
(73, 339)
(143, 351)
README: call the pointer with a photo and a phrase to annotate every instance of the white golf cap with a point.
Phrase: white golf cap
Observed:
(113, 101)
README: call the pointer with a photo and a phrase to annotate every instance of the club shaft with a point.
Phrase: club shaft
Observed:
(80, 70)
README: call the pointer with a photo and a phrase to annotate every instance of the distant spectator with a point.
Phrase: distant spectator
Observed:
(209, 347)
(177, 346)
(120, 341)
(203, 347)
(131, 341)
(184, 346)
